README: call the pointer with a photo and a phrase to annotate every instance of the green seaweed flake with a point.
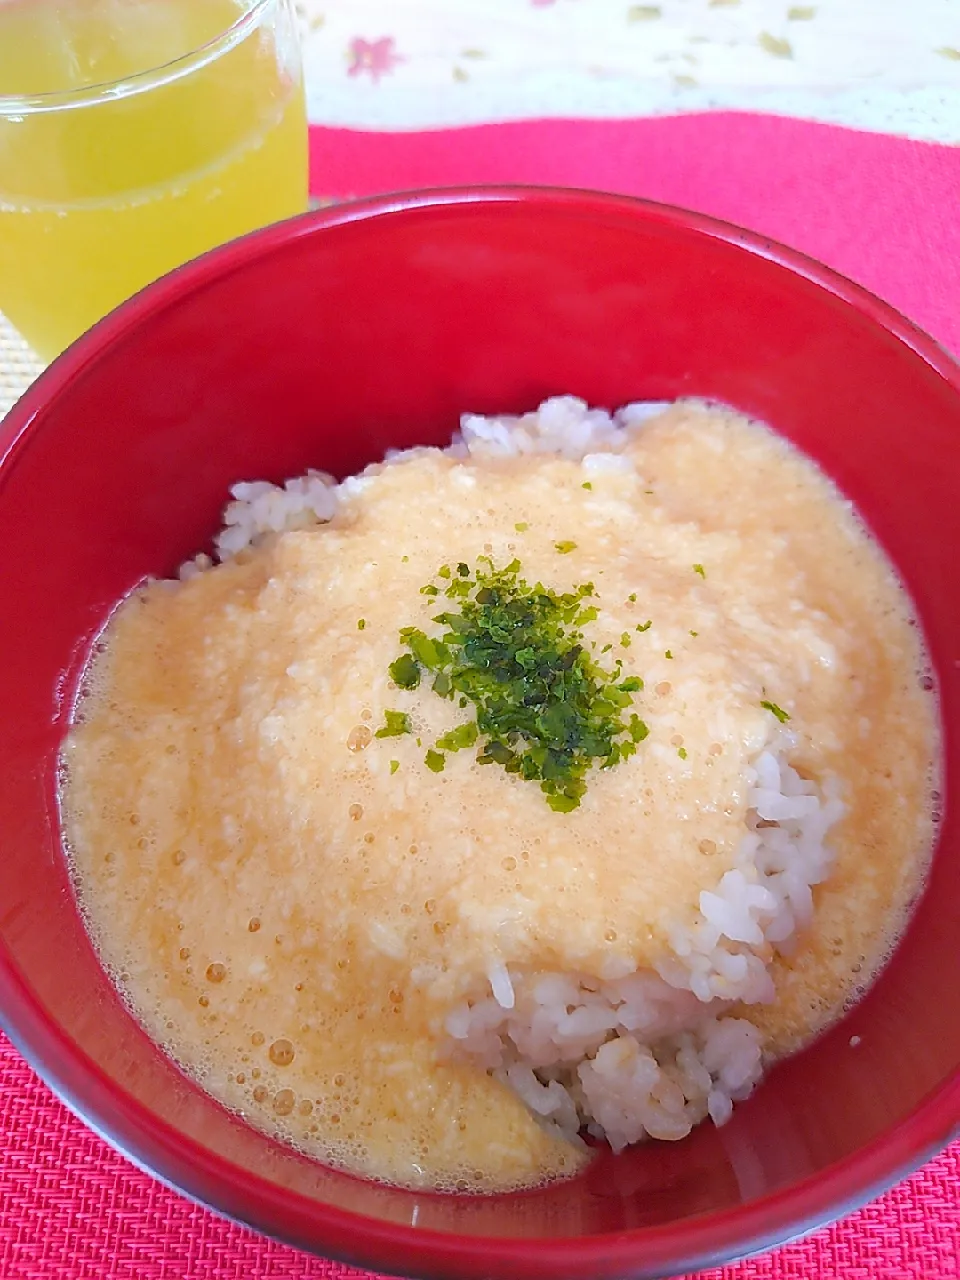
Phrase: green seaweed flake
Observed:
(396, 723)
(545, 710)
(774, 710)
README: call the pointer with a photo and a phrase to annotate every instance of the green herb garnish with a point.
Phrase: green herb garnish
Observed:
(779, 712)
(565, 547)
(465, 735)
(361, 623)
(522, 527)
(586, 485)
(396, 723)
(682, 752)
(545, 709)
(668, 654)
(637, 729)
(698, 568)
(405, 672)
(625, 639)
(394, 766)
(646, 626)
(694, 634)
(632, 597)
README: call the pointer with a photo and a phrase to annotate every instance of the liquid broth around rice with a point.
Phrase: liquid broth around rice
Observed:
(297, 905)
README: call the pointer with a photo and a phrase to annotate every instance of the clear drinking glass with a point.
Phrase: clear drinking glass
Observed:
(134, 135)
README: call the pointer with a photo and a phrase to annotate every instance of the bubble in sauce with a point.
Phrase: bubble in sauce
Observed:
(284, 1101)
(359, 737)
(282, 1053)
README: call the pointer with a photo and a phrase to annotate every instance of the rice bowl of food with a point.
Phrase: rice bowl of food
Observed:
(500, 735)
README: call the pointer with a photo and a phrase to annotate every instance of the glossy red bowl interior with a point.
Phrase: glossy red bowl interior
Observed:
(321, 343)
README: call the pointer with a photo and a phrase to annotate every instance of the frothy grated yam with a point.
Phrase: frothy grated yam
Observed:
(319, 767)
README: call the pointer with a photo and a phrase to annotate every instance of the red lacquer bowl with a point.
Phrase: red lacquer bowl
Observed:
(322, 342)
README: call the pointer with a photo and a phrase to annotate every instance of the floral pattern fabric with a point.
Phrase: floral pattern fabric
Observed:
(884, 65)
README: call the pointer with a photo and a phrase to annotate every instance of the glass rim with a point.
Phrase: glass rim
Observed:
(93, 95)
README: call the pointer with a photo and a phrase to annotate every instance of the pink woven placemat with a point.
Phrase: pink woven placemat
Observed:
(881, 210)
(72, 1209)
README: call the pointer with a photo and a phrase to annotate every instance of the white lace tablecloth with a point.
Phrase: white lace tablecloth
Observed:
(887, 65)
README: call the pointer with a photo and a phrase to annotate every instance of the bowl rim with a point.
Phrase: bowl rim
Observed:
(184, 1165)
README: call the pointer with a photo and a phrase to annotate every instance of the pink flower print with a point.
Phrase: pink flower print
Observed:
(375, 56)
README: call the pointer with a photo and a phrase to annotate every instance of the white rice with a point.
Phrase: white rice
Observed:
(652, 1053)
(631, 1054)
(563, 426)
